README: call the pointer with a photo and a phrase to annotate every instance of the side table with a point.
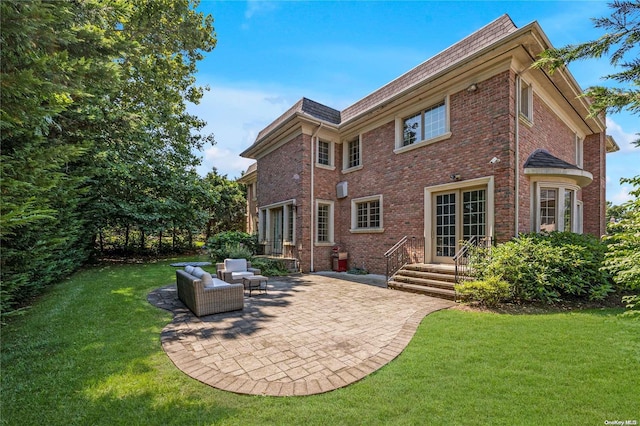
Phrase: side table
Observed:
(255, 282)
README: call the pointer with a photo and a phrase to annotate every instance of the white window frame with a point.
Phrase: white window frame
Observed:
(330, 230)
(288, 221)
(331, 165)
(576, 206)
(579, 151)
(346, 155)
(400, 119)
(527, 88)
(354, 215)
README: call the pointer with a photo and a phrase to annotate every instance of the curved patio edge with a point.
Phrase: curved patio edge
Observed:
(281, 344)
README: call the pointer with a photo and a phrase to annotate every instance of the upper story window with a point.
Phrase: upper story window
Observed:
(579, 152)
(427, 124)
(526, 101)
(324, 154)
(352, 157)
(366, 214)
(421, 128)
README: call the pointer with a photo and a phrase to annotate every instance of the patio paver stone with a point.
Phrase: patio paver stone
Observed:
(310, 334)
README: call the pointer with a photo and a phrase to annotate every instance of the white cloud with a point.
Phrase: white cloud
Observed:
(254, 7)
(235, 116)
(621, 196)
(622, 138)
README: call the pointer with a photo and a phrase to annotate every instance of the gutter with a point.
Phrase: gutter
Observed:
(313, 207)
(517, 156)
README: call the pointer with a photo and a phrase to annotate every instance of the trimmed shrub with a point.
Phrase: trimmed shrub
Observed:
(270, 267)
(548, 267)
(231, 244)
(489, 292)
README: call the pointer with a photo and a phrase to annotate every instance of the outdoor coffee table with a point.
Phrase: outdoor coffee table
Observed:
(255, 282)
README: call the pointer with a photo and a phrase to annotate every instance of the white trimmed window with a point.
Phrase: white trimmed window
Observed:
(324, 222)
(579, 152)
(366, 214)
(324, 153)
(526, 101)
(427, 124)
(352, 154)
(423, 127)
(557, 208)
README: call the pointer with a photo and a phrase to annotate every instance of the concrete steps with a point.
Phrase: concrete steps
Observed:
(435, 280)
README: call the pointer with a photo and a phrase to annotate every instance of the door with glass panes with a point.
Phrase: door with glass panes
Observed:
(458, 215)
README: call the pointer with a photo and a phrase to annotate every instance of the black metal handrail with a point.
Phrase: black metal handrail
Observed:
(407, 250)
(277, 248)
(461, 259)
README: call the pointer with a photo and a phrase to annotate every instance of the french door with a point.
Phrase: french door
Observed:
(458, 215)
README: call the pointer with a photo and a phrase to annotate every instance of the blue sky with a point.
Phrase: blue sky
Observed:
(272, 53)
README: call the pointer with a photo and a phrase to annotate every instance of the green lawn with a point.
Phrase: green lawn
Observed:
(89, 352)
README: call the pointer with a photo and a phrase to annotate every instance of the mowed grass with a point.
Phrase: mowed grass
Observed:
(89, 353)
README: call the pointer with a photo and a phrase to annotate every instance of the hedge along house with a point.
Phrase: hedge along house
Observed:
(472, 143)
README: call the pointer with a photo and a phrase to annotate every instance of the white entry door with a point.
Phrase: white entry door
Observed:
(457, 216)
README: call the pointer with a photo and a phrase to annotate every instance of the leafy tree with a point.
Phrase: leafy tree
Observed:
(94, 127)
(226, 204)
(620, 43)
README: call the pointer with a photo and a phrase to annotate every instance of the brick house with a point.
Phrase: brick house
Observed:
(472, 142)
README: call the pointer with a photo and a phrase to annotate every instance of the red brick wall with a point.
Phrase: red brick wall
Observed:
(481, 129)
(594, 195)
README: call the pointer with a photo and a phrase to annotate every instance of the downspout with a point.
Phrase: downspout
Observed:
(517, 156)
(312, 204)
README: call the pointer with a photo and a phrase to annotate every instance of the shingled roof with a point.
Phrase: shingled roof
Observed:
(542, 159)
(466, 47)
(306, 106)
(474, 43)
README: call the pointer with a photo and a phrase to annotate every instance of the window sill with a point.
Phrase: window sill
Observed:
(420, 144)
(367, 230)
(324, 166)
(525, 120)
(324, 244)
(352, 169)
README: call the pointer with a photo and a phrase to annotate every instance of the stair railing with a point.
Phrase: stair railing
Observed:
(461, 259)
(407, 250)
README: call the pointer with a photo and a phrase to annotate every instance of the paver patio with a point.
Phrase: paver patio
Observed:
(310, 334)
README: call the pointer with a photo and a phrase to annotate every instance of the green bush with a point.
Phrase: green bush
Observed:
(548, 267)
(270, 267)
(489, 292)
(232, 244)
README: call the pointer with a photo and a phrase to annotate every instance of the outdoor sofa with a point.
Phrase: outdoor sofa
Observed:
(206, 295)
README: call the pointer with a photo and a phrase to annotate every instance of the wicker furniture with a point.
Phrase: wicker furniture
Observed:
(214, 297)
(234, 270)
(255, 282)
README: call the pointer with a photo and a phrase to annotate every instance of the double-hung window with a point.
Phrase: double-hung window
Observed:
(366, 214)
(526, 101)
(324, 222)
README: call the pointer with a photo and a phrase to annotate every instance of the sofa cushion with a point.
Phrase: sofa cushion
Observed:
(241, 275)
(216, 283)
(235, 265)
(207, 279)
(197, 272)
(189, 269)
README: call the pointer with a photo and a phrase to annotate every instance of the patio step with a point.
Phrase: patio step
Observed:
(433, 280)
